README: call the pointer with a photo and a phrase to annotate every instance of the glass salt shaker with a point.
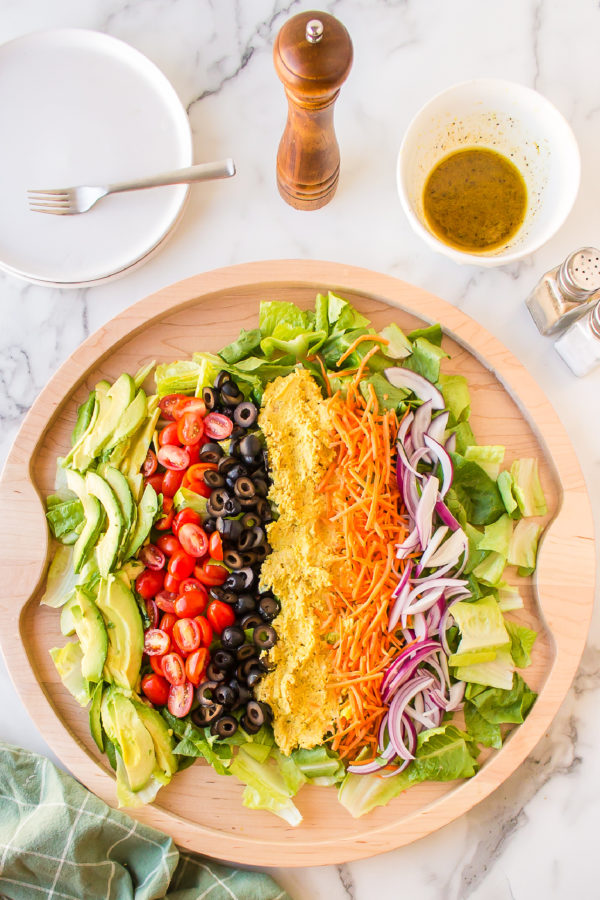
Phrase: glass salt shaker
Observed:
(566, 292)
(579, 346)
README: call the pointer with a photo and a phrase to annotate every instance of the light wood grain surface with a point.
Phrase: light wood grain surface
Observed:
(200, 809)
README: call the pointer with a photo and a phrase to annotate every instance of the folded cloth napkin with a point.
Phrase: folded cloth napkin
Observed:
(57, 840)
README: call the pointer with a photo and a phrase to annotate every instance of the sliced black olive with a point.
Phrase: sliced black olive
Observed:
(225, 694)
(252, 620)
(269, 608)
(230, 394)
(248, 727)
(243, 694)
(233, 560)
(245, 652)
(236, 472)
(246, 541)
(225, 464)
(238, 433)
(244, 604)
(210, 397)
(221, 378)
(232, 507)
(203, 715)
(243, 487)
(229, 597)
(217, 501)
(224, 660)
(248, 558)
(214, 674)
(254, 677)
(209, 525)
(205, 693)
(245, 414)
(232, 637)
(213, 479)
(250, 445)
(258, 713)
(211, 452)
(234, 448)
(224, 726)
(263, 510)
(265, 456)
(249, 665)
(258, 536)
(264, 636)
(248, 502)
(249, 520)
(234, 582)
(261, 487)
(216, 593)
(248, 576)
(261, 553)
(229, 528)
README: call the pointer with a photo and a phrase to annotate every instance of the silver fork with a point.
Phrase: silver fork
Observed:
(73, 200)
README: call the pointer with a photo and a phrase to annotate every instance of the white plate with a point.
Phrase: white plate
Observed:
(80, 107)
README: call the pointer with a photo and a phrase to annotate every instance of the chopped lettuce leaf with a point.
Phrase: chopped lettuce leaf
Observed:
(275, 313)
(464, 436)
(481, 625)
(64, 516)
(527, 488)
(497, 672)
(246, 343)
(266, 786)
(142, 373)
(497, 536)
(425, 359)
(490, 457)
(68, 660)
(432, 333)
(490, 571)
(388, 396)
(399, 346)
(179, 377)
(505, 486)
(185, 498)
(499, 706)
(193, 742)
(61, 579)
(480, 730)
(476, 491)
(522, 640)
(455, 392)
(476, 555)
(522, 550)
(509, 597)
(319, 765)
(209, 367)
(84, 417)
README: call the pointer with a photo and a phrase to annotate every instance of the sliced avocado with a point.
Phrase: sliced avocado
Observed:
(122, 491)
(107, 717)
(162, 739)
(112, 408)
(129, 571)
(147, 509)
(107, 547)
(93, 518)
(141, 374)
(139, 444)
(131, 419)
(67, 660)
(135, 741)
(91, 632)
(85, 413)
(95, 716)
(78, 458)
(125, 632)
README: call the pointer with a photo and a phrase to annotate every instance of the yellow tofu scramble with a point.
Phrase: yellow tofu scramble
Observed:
(295, 423)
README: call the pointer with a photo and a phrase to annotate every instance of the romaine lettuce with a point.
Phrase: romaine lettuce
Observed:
(522, 640)
(499, 706)
(476, 491)
(490, 457)
(522, 551)
(527, 488)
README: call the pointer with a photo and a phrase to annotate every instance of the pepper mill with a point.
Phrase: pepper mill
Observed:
(313, 56)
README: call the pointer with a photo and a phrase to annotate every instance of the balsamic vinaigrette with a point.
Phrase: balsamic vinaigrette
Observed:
(475, 199)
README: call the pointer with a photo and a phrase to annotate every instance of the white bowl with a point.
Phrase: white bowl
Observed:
(517, 122)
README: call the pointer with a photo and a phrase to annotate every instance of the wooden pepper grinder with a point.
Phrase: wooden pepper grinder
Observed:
(313, 56)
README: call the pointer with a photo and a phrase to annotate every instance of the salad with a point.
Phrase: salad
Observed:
(289, 560)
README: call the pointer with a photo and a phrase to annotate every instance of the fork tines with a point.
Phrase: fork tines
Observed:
(54, 202)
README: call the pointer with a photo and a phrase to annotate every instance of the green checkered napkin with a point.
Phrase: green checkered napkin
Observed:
(59, 841)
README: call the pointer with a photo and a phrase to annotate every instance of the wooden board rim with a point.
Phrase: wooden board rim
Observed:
(17, 490)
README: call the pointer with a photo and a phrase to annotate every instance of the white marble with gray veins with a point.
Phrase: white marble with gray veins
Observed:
(537, 835)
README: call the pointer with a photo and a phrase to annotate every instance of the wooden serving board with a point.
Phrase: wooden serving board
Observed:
(199, 809)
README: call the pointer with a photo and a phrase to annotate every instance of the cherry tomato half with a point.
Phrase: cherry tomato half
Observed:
(217, 426)
(167, 622)
(186, 515)
(206, 632)
(168, 435)
(166, 520)
(215, 546)
(168, 403)
(191, 603)
(193, 451)
(186, 635)
(152, 610)
(174, 668)
(190, 428)
(156, 642)
(149, 583)
(172, 482)
(220, 615)
(191, 584)
(180, 699)
(190, 405)
(168, 543)
(155, 481)
(193, 539)
(211, 574)
(152, 557)
(156, 663)
(172, 583)
(196, 664)
(150, 463)
(196, 472)
(173, 457)
(199, 487)
(181, 565)
(165, 600)
(156, 688)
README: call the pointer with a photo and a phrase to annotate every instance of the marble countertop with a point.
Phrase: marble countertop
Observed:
(536, 835)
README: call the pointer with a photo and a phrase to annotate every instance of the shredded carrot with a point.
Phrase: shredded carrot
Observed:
(364, 502)
(360, 340)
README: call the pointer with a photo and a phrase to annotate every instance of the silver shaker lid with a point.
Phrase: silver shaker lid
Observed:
(579, 275)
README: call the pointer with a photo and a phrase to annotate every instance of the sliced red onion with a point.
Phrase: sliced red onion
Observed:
(408, 545)
(409, 492)
(437, 428)
(450, 444)
(398, 607)
(444, 461)
(403, 459)
(434, 543)
(420, 425)
(457, 692)
(404, 426)
(406, 378)
(405, 578)
(395, 714)
(424, 514)
(420, 627)
(446, 516)
(451, 550)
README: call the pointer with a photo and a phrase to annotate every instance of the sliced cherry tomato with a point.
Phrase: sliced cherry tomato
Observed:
(196, 472)
(173, 668)
(173, 457)
(181, 565)
(191, 603)
(215, 546)
(152, 557)
(172, 583)
(196, 664)
(149, 583)
(180, 699)
(206, 632)
(190, 405)
(155, 481)
(167, 622)
(172, 482)
(186, 515)
(217, 426)
(168, 403)
(193, 539)
(156, 688)
(156, 642)
(150, 463)
(199, 487)
(190, 428)
(152, 610)
(165, 600)
(168, 435)
(165, 522)
(191, 584)
(220, 615)
(168, 543)
(186, 635)
(193, 451)
(211, 574)
(156, 663)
